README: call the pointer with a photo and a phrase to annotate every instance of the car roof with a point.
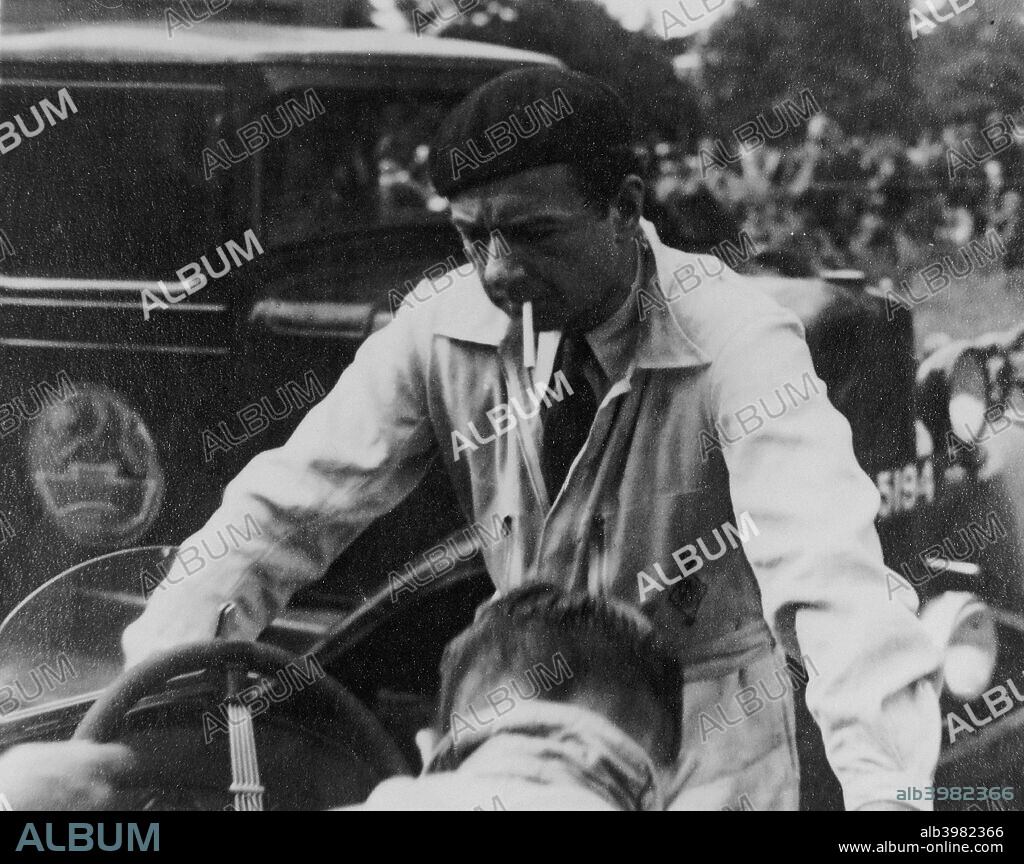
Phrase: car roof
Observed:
(246, 43)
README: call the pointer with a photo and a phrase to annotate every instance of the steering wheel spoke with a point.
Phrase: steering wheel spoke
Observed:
(245, 786)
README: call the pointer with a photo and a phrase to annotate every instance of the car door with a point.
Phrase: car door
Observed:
(103, 402)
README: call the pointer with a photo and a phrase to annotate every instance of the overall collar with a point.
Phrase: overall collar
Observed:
(555, 744)
(614, 341)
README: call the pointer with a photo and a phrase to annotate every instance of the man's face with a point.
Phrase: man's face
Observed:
(573, 261)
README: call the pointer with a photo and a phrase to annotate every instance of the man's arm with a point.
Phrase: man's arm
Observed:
(291, 511)
(819, 563)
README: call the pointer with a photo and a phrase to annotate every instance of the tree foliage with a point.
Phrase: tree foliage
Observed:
(855, 57)
(585, 37)
(973, 65)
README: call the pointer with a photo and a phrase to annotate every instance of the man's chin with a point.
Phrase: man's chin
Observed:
(546, 318)
(543, 319)
(550, 322)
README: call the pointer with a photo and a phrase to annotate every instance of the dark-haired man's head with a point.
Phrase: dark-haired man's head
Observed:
(539, 170)
(540, 642)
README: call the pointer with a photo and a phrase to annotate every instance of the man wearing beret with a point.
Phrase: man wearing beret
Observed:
(646, 447)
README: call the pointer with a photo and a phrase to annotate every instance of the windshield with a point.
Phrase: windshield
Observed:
(63, 640)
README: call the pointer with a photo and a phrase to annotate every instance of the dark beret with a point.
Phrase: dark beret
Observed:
(526, 119)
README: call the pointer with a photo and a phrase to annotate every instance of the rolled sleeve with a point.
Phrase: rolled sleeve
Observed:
(355, 456)
(818, 562)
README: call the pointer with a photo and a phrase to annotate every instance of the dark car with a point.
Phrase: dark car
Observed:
(287, 166)
(199, 232)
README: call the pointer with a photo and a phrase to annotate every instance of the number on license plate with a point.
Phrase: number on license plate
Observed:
(904, 488)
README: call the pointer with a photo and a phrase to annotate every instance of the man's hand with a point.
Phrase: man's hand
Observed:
(65, 775)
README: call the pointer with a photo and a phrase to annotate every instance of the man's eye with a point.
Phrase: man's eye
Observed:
(532, 235)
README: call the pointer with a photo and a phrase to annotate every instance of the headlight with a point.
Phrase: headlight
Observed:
(965, 627)
(968, 395)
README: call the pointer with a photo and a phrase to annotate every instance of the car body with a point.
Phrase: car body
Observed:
(123, 414)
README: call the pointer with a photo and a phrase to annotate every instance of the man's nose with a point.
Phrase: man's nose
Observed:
(503, 270)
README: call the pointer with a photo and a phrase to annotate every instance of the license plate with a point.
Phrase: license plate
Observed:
(904, 488)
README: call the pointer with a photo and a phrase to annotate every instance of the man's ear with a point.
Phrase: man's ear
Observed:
(426, 742)
(629, 206)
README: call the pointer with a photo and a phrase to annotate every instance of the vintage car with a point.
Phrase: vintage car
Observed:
(294, 159)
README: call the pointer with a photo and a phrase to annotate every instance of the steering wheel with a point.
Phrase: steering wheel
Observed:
(337, 714)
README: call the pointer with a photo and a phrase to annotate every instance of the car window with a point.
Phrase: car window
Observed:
(116, 190)
(358, 165)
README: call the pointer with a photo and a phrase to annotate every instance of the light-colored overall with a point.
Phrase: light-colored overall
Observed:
(716, 467)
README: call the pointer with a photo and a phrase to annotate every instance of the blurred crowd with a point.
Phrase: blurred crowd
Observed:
(835, 201)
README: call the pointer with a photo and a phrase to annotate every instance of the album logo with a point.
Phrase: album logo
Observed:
(95, 468)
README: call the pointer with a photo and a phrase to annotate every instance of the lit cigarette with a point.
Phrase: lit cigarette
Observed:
(529, 343)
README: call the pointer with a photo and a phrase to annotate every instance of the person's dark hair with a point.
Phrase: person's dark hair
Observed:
(600, 182)
(605, 648)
